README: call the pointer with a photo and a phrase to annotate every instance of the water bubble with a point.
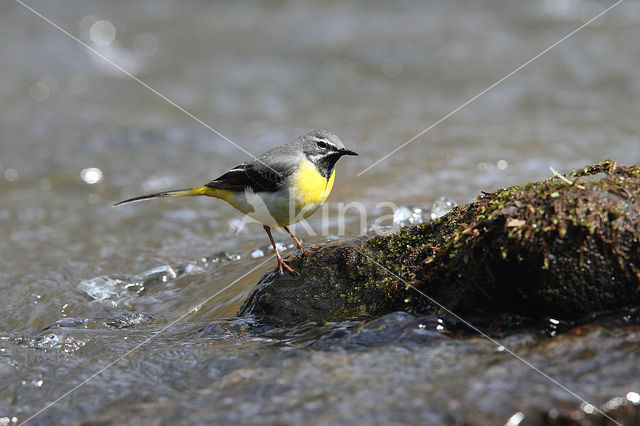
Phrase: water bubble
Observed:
(102, 32)
(633, 397)
(192, 268)
(92, 175)
(160, 274)
(614, 403)
(502, 164)
(441, 207)
(515, 420)
(38, 383)
(588, 408)
(104, 287)
(214, 258)
(11, 175)
(130, 319)
(257, 253)
(48, 341)
(234, 256)
(407, 215)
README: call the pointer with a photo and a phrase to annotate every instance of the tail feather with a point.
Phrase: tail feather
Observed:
(186, 192)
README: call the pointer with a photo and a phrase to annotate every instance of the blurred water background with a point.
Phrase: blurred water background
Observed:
(81, 282)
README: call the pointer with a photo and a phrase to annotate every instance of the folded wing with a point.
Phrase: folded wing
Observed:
(259, 179)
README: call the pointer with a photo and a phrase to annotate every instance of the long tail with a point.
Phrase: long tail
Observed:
(186, 192)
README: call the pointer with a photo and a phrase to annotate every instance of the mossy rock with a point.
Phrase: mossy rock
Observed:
(553, 248)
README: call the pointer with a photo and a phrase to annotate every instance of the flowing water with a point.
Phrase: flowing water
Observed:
(82, 282)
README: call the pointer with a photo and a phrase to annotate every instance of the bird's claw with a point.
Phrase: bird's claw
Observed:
(282, 263)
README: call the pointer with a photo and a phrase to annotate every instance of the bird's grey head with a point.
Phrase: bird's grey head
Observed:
(322, 143)
(324, 149)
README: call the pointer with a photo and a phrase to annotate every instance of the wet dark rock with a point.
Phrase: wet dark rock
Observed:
(550, 249)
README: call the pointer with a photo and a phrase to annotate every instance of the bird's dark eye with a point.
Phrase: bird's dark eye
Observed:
(322, 145)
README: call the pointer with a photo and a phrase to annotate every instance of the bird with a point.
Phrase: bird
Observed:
(278, 188)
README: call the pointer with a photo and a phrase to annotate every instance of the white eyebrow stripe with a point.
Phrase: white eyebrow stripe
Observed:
(320, 139)
(327, 141)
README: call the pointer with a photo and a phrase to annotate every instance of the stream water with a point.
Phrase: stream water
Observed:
(82, 283)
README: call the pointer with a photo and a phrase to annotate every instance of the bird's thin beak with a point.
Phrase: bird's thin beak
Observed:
(347, 152)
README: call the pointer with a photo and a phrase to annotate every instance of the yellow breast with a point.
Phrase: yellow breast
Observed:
(310, 188)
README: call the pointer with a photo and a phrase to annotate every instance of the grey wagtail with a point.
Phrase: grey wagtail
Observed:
(280, 187)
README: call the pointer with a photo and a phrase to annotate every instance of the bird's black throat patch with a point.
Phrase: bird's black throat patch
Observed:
(326, 163)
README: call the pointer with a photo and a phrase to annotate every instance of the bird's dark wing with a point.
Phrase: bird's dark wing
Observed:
(259, 179)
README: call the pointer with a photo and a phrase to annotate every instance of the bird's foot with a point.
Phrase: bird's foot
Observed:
(283, 264)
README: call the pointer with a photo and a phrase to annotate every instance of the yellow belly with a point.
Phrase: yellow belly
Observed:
(310, 188)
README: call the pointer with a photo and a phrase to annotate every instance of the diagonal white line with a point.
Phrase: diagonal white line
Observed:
(138, 346)
(474, 328)
(492, 86)
(133, 77)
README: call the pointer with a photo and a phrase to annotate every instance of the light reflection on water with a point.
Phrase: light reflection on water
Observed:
(77, 136)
